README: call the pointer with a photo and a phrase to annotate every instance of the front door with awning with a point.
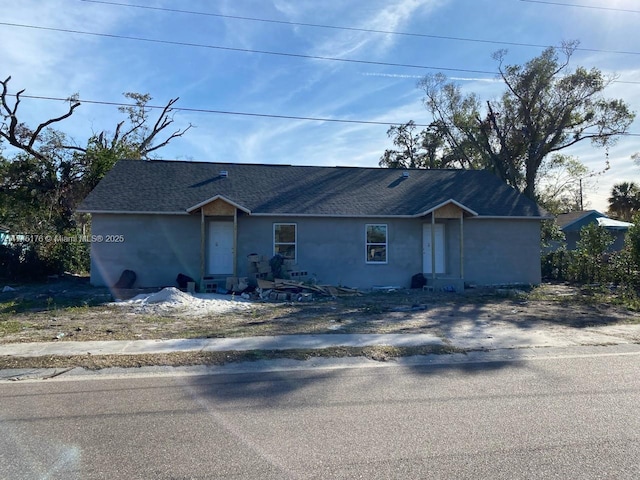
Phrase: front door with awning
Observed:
(220, 251)
(431, 243)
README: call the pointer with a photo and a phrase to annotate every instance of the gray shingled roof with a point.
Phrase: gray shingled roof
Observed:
(567, 219)
(176, 186)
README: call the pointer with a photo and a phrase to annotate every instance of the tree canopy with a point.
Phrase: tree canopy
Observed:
(624, 202)
(544, 109)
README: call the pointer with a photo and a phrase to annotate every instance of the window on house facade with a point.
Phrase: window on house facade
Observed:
(284, 240)
(376, 243)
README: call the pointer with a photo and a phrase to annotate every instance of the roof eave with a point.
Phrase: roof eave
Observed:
(515, 217)
(130, 212)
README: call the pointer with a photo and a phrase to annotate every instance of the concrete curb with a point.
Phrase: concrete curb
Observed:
(279, 342)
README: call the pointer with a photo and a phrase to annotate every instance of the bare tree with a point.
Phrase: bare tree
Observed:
(16, 132)
(138, 136)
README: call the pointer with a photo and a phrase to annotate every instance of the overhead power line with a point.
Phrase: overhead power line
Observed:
(223, 112)
(262, 52)
(352, 29)
(245, 50)
(576, 5)
(243, 114)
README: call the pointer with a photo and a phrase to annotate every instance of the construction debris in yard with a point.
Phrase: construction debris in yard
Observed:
(260, 267)
(289, 290)
(265, 273)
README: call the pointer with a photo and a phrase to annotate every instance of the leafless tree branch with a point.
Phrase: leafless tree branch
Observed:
(11, 132)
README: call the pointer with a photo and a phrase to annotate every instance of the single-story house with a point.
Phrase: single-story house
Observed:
(349, 226)
(571, 224)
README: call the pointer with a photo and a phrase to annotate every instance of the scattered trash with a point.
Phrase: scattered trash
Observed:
(387, 289)
(183, 280)
(7, 289)
(418, 280)
(126, 281)
(59, 336)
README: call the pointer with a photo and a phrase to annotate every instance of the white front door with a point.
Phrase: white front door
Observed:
(220, 248)
(427, 248)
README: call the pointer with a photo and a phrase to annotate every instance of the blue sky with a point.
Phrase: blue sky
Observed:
(58, 64)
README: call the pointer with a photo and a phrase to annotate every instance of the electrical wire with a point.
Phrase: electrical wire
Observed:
(222, 112)
(576, 5)
(244, 114)
(244, 50)
(262, 52)
(352, 29)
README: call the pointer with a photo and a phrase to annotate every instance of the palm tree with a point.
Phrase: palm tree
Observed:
(624, 201)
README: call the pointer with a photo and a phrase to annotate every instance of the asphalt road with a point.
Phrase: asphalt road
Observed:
(543, 418)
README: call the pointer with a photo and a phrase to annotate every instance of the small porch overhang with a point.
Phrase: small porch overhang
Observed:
(217, 208)
(216, 200)
(448, 210)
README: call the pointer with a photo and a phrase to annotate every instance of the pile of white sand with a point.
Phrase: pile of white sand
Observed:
(171, 298)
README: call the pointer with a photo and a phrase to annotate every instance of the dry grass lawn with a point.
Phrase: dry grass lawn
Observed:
(71, 310)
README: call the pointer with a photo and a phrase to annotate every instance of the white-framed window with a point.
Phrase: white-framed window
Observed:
(376, 243)
(285, 236)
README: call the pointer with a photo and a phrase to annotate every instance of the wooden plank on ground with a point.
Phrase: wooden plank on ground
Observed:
(266, 284)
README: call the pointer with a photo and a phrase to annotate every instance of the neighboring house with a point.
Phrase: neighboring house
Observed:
(357, 227)
(571, 224)
(4, 235)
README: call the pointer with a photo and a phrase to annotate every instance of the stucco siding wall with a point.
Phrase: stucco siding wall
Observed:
(332, 250)
(156, 247)
(502, 251)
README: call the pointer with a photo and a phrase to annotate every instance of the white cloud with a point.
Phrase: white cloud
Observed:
(384, 17)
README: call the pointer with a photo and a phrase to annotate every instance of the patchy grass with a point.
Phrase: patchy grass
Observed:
(25, 317)
(9, 326)
(594, 295)
(16, 305)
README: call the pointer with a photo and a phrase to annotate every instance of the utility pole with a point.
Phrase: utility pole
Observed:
(581, 207)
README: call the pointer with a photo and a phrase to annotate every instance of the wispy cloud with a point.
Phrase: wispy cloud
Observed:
(384, 16)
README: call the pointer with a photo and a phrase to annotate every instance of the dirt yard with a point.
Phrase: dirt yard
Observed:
(72, 310)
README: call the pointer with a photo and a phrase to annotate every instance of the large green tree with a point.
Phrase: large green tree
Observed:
(425, 148)
(545, 108)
